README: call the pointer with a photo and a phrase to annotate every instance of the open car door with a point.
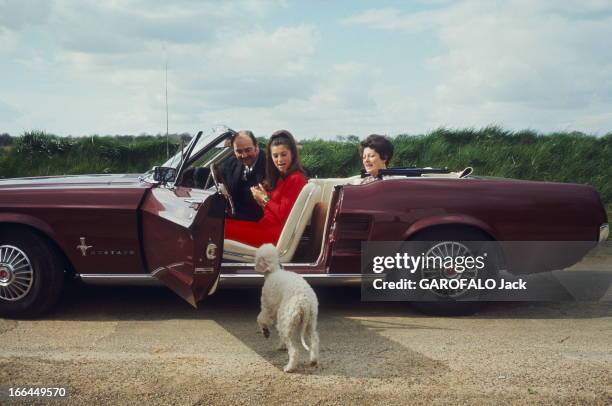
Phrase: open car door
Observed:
(183, 236)
(183, 239)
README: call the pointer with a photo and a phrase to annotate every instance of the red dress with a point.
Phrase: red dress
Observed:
(270, 226)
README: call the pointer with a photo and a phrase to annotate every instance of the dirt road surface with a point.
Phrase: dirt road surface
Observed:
(128, 345)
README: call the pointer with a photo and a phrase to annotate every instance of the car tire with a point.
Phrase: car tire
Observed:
(474, 240)
(31, 274)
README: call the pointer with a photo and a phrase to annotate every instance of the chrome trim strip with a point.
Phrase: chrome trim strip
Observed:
(214, 288)
(204, 270)
(229, 280)
(240, 254)
(242, 265)
(314, 279)
(120, 280)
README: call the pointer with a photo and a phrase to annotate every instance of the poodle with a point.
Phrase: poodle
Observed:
(288, 302)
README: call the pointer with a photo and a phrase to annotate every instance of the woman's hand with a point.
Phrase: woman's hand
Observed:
(260, 195)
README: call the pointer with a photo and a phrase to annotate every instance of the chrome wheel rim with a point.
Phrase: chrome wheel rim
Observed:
(445, 249)
(16, 273)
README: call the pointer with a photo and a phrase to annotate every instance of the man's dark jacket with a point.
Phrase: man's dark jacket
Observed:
(246, 207)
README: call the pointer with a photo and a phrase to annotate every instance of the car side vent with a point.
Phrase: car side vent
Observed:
(353, 227)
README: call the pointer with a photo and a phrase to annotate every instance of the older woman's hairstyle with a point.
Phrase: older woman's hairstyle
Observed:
(380, 144)
(281, 137)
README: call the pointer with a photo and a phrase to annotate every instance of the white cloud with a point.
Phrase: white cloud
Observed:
(8, 113)
(281, 52)
(393, 19)
(101, 27)
(95, 66)
(112, 54)
(255, 68)
(17, 14)
(502, 60)
(8, 40)
(346, 87)
(340, 103)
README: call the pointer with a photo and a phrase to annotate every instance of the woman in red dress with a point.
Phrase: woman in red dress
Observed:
(284, 180)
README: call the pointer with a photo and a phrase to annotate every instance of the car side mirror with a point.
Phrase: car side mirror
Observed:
(164, 174)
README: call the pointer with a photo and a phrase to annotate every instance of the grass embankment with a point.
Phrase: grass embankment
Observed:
(562, 157)
(41, 154)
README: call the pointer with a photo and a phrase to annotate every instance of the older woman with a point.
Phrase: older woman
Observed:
(376, 152)
(284, 181)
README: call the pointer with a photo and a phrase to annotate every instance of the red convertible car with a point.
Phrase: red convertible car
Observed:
(167, 225)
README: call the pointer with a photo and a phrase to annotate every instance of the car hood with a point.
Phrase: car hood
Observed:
(74, 181)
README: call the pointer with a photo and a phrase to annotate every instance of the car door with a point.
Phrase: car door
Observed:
(183, 239)
(183, 227)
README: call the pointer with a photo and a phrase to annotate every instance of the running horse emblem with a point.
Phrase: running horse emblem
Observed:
(83, 247)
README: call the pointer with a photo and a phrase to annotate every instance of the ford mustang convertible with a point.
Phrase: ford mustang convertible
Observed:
(166, 226)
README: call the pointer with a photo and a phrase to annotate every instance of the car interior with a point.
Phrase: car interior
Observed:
(302, 238)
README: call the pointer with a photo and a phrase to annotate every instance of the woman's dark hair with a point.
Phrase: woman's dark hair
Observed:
(281, 137)
(380, 144)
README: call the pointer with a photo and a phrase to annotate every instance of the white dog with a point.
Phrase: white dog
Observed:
(288, 302)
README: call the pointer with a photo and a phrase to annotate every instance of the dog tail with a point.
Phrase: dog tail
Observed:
(305, 325)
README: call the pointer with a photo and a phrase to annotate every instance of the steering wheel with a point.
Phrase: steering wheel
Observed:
(222, 188)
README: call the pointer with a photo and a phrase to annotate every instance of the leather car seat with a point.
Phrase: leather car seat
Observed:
(290, 236)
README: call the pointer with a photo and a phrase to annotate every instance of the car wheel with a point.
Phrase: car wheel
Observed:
(451, 242)
(31, 274)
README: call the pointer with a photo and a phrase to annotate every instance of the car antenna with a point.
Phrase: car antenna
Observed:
(167, 142)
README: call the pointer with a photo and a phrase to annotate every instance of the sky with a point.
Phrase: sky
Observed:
(317, 68)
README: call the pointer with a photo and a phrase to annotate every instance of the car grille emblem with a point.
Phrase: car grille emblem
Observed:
(83, 247)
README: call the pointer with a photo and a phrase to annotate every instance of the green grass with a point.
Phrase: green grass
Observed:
(563, 157)
(40, 154)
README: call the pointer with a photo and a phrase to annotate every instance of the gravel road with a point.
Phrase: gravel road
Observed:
(127, 345)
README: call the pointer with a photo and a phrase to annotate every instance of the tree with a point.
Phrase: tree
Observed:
(5, 139)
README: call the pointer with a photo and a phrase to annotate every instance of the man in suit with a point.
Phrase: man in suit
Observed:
(245, 169)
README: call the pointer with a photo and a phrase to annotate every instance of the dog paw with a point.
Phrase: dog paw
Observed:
(314, 363)
(289, 369)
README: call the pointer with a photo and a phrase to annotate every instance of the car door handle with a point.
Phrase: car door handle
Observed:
(194, 203)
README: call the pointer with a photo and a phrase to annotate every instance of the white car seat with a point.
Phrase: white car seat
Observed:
(290, 236)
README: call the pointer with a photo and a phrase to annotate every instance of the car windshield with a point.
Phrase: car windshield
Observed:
(204, 140)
